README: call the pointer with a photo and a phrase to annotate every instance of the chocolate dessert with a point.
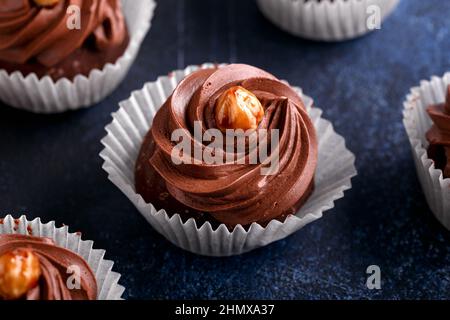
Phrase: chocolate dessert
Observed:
(237, 97)
(33, 268)
(42, 36)
(439, 135)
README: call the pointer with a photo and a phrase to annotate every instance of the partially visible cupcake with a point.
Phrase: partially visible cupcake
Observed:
(62, 54)
(327, 20)
(34, 268)
(41, 262)
(209, 197)
(439, 135)
(36, 37)
(427, 122)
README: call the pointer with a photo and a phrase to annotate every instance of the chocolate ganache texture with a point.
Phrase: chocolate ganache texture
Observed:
(439, 135)
(230, 193)
(38, 39)
(54, 263)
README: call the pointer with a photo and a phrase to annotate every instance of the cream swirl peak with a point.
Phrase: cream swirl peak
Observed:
(234, 147)
(232, 193)
(55, 266)
(36, 38)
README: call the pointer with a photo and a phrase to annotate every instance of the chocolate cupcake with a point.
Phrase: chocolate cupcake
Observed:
(439, 135)
(64, 54)
(427, 123)
(327, 20)
(38, 37)
(43, 270)
(228, 192)
(41, 262)
(230, 205)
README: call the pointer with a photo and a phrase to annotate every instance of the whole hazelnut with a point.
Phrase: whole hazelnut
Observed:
(238, 108)
(46, 3)
(19, 272)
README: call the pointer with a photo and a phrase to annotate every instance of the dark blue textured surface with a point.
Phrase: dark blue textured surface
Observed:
(49, 165)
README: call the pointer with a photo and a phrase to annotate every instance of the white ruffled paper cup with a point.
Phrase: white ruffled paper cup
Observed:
(122, 144)
(107, 280)
(326, 20)
(43, 95)
(417, 123)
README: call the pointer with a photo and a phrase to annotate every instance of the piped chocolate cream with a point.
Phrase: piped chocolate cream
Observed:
(47, 41)
(34, 268)
(439, 135)
(229, 193)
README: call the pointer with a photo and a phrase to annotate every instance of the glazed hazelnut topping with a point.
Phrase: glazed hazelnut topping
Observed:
(238, 108)
(46, 3)
(19, 272)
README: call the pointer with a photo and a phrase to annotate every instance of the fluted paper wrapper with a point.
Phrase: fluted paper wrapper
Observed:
(107, 280)
(417, 123)
(122, 144)
(325, 20)
(43, 95)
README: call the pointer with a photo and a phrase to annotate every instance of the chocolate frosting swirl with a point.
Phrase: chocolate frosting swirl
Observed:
(439, 135)
(30, 32)
(54, 262)
(237, 193)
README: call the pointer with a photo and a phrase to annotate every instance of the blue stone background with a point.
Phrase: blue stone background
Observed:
(50, 168)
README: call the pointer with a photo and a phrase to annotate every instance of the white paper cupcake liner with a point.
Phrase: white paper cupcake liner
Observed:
(417, 123)
(46, 96)
(327, 20)
(107, 280)
(122, 144)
